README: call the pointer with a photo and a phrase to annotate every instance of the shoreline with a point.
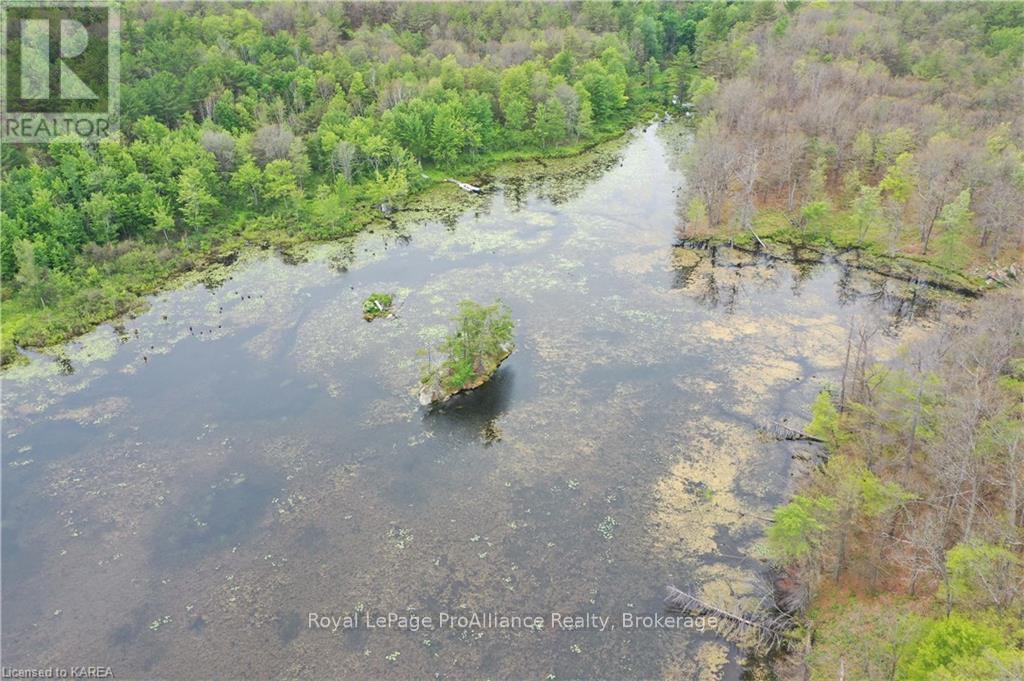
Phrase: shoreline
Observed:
(897, 266)
(199, 265)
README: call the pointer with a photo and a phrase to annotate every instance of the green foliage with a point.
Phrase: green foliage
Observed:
(898, 182)
(31, 278)
(798, 528)
(481, 339)
(955, 221)
(878, 497)
(702, 89)
(818, 179)
(893, 144)
(946, 644)
(981, 575)
(825, 421)
(550, 124)
(1008, 41)
(865, 637)
(816, 217)
(1006, 664)
(197, 202)
(237, 120)
(867, 210)
(377, 305)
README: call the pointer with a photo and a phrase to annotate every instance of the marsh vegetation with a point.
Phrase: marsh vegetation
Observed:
(377, 305)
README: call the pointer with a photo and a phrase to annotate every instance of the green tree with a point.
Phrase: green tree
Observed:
(955, 221)
(550, 124)
(825, 421)
(247, 182)
(482, 338)
(329, 214)
(163, 218)
(357, 92)
(281, 186)
(100, 211)
(32, 279)
(607, 93)
(945, 643)
(387, 189)
(447, 134)
(514, 98)
(563, 64)
(195, 200)
(867, 210)
(982, 575)
(798, 528)
(585, 117)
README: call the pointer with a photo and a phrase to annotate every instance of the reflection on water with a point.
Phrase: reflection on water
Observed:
(181, 490)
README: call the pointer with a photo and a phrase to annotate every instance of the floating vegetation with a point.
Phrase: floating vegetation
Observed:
(159, 622)
(378, 305)
(400, 536)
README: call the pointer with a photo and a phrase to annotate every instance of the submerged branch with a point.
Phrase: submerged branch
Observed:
(780, 431)
(770, 629)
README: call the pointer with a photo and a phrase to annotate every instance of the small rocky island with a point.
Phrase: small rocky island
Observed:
(378, 305)
(470, 354)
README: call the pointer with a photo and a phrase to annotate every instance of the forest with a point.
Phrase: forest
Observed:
(893, 128)
(904, 547)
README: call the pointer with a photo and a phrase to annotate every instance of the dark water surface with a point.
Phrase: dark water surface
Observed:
(177, 504)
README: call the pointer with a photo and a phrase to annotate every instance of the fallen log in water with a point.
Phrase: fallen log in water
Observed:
(463, 185)
(768, 627)
(781, 431)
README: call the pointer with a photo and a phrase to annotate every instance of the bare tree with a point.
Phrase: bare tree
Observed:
(221, 145)
(271, 143)
(343, 159)
(712, 161)
(940, 166)
(747, 175)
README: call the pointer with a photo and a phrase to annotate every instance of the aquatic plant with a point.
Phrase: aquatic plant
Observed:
(377, 305)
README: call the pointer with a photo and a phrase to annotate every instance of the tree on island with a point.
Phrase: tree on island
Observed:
(480, 342)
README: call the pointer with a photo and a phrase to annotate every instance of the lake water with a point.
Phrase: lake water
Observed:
(181, 490)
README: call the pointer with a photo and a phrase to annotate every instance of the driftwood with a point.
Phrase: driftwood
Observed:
(781, 431)
(463, 185)
(768, 626)
(763, 245)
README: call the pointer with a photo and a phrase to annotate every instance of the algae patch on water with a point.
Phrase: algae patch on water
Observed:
(698, 497)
